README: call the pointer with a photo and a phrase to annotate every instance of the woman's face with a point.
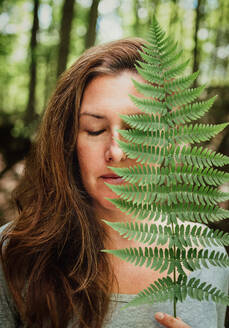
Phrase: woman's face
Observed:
(104, 99)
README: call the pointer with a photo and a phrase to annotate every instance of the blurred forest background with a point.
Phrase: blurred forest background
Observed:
(40, 38)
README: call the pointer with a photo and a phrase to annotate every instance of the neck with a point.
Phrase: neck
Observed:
(113, 240)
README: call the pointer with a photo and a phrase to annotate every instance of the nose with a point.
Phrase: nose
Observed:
(113, 152)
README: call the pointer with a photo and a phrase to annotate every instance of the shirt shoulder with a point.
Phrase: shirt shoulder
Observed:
(9, 317)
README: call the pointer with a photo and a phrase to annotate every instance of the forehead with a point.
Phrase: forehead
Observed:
(107, 93)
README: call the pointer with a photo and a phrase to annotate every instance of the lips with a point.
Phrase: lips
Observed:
(112, 178)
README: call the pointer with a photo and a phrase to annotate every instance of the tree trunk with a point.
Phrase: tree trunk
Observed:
(92, 19)
(31, 108)
(173, 16)
(136, 26)
(65, 32)
(196, 56)
(221, 34)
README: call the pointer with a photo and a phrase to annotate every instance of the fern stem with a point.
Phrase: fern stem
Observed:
(174, 277)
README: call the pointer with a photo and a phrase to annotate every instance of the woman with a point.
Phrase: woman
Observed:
(56, 274)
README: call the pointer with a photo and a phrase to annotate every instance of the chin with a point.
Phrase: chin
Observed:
(105, 204)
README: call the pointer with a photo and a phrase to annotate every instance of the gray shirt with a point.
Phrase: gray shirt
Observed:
(194, 313)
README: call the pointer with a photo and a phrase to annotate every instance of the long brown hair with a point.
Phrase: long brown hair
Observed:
(51, 254)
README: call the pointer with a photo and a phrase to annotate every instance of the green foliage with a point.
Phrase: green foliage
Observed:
(172, 183)
(165, 289)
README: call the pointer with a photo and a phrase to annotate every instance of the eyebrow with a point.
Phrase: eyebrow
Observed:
(93, 115)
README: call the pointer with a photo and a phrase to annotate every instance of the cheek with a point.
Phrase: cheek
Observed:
(90, 156)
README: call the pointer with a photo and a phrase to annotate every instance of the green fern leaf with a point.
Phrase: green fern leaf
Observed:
(141, 175)
(173, 194)
(194, 286)
(168, 50)
(145, 122)
(197, 213)
(143, 153)
(148, 138)
(191, 112)
(177, 70)
(149, 106)
(153, 77)
(155, 293)
(157, 258)
(173, 59)
(142, 211)
(180, 84)
(150, 59)
(144, 175)
(194, 258)
(196, 133)
(149, 90)
(171, 214)
(197, 156)
(183, 288)
(195, 176)
(167, 46)
(175, 183)
(143, 232)
(181, 237)
(183, 97)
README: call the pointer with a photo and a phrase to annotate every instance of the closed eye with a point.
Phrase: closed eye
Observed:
(95, 133)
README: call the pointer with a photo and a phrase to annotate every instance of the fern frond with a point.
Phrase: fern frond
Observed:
(140, 211)
(200, 196)
(194, 176)
(144, 233)
(168, 50)
(145, 122)
(173, 59)
(170, 214)
(177, 70)
(152, 51)
(143, 153)
(191, 112)
(172, 195)
(194, 258)
(175, 183)
(141, 174)
(197, 156)
(151, 59)
(149, 90)
(160, 291)
(199, 213)
(183, 236)
(156, 35)
(183, 97)
(147, 138)
(165, 259)
(203, 236)
(149, 106)
(193, 288)
(154, 76)
(155, 258)
(144, 175)
(196, 133)
(180, 84)
(202, 291)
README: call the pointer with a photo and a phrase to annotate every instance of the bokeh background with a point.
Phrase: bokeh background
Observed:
(39, 39)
